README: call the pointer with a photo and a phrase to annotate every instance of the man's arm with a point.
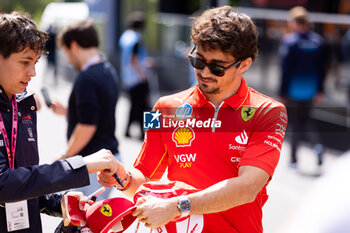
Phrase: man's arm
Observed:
(80, 137)
(136, 63)
(229, 193)
(136, 177)
(219, 197)
(33, 181)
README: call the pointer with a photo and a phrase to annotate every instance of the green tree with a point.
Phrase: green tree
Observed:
(34, 7)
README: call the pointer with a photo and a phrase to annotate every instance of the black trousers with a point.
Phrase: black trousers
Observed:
(139, 97)
(300, 125)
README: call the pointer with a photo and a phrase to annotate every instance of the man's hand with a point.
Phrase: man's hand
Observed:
(106, 178)
(58, 108)
(155, 212)
(73, 216)
(103, 160)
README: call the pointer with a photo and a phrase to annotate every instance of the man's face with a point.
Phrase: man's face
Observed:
(17, 70)
(72, 58)
(209, 83)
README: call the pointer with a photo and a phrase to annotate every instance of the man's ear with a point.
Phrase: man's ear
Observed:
(245, 64)
(74, 45)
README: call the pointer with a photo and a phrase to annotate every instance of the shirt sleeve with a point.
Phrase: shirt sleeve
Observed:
(86, 97)
(50, 204)
(152, 160)
(265, 144)
(34, 181)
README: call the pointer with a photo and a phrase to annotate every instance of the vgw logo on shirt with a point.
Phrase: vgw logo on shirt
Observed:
(151, 120)
(185, 160)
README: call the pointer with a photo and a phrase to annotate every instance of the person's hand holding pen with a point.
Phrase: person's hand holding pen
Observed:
(118, 179)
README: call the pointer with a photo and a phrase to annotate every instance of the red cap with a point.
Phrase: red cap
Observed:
(103, 215)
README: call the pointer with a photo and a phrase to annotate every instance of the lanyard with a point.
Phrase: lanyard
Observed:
(11, 152)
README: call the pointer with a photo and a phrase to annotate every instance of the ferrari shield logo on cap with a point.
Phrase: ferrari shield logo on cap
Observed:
(106, 210)
(247, 113)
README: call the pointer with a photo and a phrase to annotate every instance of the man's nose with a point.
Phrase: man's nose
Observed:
(205, 72)
(31, 71)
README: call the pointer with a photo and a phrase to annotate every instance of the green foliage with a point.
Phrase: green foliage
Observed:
(34, 7)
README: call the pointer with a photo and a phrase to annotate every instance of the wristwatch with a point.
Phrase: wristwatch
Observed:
(184, 206)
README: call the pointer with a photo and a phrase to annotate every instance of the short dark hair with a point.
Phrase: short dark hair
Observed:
(18, 32)
(136, 20)
(82, 32)
(224, 29)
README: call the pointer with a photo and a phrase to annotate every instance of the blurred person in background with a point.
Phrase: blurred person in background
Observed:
(51, 49)
(345, 58)
(92, 102)
(25, 187)
(230, 160)
(304, 65)
(134, 65)
(345, 46)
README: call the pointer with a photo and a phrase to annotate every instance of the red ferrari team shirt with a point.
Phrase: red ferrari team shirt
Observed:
(202, 145)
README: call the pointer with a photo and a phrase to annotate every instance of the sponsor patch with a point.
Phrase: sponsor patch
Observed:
(184, 111)
(247, 113)
(26, 119)
(183, 136)
(242, 138)
(185, 160)
(234, 147)
(272, 144)
(280, 129)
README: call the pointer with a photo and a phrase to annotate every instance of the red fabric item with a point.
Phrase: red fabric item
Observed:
(164, 190)
(103, 215)
(72, 215)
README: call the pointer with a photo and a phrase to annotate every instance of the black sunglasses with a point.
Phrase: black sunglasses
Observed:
(214, 68)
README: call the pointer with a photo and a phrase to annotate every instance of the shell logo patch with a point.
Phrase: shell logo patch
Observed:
(183, 136)
(247, 113)
(106, 210)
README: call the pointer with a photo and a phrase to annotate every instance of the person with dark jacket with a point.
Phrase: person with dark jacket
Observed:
(25, 187)
(303, 68)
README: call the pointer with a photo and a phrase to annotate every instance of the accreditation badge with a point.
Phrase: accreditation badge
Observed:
(17, 216)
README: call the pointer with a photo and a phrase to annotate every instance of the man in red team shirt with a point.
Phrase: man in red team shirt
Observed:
(220, 136)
